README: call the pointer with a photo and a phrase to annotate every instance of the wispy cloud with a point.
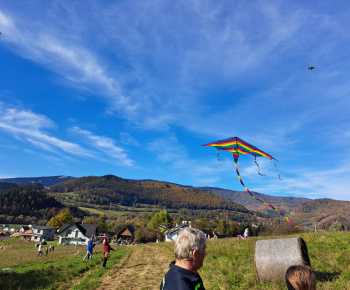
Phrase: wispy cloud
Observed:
(28, 126)
(103, 144)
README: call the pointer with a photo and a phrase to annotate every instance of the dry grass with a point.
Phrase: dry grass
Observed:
(228, 265)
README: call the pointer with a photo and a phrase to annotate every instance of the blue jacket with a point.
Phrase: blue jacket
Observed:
(90, 246)
(179, 278)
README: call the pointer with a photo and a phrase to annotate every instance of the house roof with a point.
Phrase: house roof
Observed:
(42, 227)
(176, 229)
(85, 229)
(129, 228)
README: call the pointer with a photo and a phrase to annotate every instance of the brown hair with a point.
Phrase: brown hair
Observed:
(300, 277)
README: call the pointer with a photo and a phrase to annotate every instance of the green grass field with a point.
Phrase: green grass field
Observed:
(229, 264)
(62, 269)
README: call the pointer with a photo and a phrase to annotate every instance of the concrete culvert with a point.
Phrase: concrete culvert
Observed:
(272, 258)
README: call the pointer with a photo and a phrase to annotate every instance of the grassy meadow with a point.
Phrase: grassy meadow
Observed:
(62, 269)
(229, 264)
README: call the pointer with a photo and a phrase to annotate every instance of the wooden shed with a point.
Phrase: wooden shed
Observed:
(126, 234)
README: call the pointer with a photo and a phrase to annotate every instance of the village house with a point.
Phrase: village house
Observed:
(101, 236)
(172, 234)
(126, 234)
(42, 233)
(76, 233)
(27, 235)
(24, 229)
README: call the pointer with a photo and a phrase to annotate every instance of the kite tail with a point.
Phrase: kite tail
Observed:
(258, 167)
(276, 170)
(235, 156)
(219, 158)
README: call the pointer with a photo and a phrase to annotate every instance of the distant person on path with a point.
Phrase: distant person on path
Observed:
(40, 252)
(90, 246)
(106, 249)
(47, 251)
(189, 250)
(300, 277)
(53, 248)
(246, 233)
(50, 248)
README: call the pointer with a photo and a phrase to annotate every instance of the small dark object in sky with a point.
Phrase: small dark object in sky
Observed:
(311, 67)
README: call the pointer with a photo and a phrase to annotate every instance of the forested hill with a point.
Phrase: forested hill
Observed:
(28, 201)
(111, 189)
(45, 180)
(5, 186)
(324, 212)
(283, 203)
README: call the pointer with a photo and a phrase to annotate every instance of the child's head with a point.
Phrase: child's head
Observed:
(300, 277)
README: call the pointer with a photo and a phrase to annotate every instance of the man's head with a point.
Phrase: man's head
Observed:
(190, 247)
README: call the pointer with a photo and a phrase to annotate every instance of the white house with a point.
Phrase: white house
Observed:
(172, 235)
(41, 233)
(76, 233)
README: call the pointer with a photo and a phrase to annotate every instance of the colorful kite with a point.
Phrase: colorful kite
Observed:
(163, 229)
(237, 146)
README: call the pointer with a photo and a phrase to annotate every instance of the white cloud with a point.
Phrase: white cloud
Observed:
(25, 124)
(104, 144)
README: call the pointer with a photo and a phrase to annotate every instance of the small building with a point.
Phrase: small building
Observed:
(101, 237)
(4, 235)
(24, 229)
(126, 234)
(172, 234)
(14, 235)
(15, 229)
(42, 233)
(27, 235)
(76, 233)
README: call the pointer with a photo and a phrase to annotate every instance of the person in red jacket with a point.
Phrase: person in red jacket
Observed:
(106, 249)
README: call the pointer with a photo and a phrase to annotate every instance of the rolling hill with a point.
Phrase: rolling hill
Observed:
(238, 205)
(103, 191)
(45, 180)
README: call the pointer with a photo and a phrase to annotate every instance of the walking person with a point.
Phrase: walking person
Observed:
(90, 246)
(190, 252)
(40, 252)
(47, 251)
(106, 249)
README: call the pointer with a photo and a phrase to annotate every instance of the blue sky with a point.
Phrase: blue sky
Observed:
(134, 88)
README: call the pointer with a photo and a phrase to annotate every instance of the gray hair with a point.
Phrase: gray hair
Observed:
(189, 239)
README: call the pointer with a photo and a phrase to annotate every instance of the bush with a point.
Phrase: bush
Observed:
(145, 235)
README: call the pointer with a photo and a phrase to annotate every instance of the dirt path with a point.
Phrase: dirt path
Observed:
(144, 269)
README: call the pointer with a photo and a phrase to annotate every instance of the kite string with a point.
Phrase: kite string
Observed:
(276, 170)
(219, 158)
(258, 167)
(235, 156)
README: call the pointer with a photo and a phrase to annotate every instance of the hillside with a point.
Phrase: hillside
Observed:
(45, 180)
(91, 191)
(28, 201)
(323, 212)
(285, 204)
(5, 186)
(27, 204)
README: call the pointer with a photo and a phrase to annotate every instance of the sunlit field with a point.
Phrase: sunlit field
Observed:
(229, 264)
